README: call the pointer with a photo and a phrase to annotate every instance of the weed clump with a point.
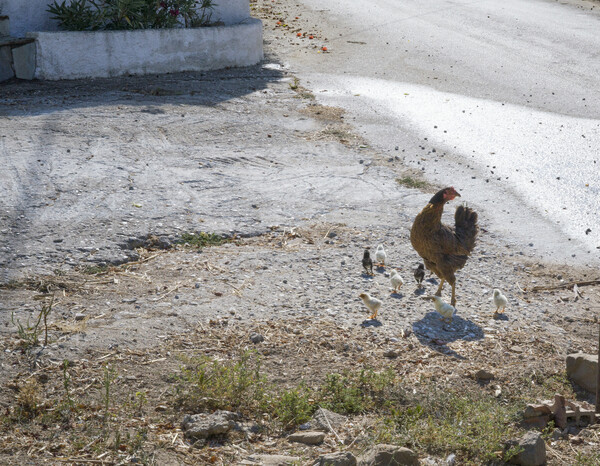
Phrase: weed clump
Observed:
(202, 239)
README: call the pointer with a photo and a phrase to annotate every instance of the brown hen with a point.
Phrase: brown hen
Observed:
(444, 249)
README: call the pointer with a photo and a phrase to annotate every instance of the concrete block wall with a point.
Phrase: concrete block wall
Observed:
(73, 54)
(31, 15)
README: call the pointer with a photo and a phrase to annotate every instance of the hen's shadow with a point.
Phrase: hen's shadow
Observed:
(431, 331)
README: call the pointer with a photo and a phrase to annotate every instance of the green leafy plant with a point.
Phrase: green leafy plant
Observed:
(206, 384)
(358, 391)
(294, 406)
(91, 15)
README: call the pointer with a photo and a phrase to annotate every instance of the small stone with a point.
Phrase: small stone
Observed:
(340, 458)
(390, 354)
(325, 420)
(483, 374)
(202, 426)
(273, 460)
(388, 454)
(256, 338)
(451, 460)
(577, 440)
(160, 408)
(308, 437)
(516, 349)
(79, 316)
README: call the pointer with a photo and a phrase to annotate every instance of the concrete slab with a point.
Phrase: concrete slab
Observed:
(24, 61)
(72, 55)
(6, 70)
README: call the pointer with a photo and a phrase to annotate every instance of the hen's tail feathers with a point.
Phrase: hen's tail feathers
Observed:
(465, 221)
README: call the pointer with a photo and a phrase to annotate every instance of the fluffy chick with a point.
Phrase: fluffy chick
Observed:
(395, 280)
(367, 263)
(420, 274)
(444, 309)
(373, 304)
(500, 301)
(380, 255)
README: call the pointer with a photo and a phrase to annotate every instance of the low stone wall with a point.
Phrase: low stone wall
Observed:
(72, 55)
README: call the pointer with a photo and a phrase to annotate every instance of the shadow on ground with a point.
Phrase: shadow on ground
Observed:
(431, 331)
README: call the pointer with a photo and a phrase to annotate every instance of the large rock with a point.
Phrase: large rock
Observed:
(202, 426)
(387, 455)
(533, 450)
(308, 437)
(582, 369)
(340, 458)
(323, 419)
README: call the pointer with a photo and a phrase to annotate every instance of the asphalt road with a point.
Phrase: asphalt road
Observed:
(500, 99)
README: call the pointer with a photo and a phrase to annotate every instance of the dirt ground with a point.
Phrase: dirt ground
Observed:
(299, 196)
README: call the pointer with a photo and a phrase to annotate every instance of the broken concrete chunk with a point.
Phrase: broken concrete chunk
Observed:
(582, 369)
(533, 450)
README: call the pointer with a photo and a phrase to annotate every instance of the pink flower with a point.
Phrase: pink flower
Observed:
(163, 4)
(174, 12)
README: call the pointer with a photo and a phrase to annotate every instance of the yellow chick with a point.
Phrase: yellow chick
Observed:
(380, 255)
(373, 304)
(500, 301)
(444, 309)
(395, 280)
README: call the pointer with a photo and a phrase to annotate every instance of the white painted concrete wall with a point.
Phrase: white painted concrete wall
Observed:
(31, 15)
(27, 15)
(71, 55)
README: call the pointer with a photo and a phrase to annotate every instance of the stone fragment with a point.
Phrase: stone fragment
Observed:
(256, 338)
(308, 437)
(533, 450)
(482, 374)
(382, 454)
(340, 458)
(79, 316)
(202, 426)
(325, 420)
(391, 354)
(273, 460)
(582, 369)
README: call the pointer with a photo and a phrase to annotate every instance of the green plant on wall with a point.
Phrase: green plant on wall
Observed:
(93, 15)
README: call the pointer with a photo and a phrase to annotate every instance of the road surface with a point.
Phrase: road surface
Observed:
(499, 99)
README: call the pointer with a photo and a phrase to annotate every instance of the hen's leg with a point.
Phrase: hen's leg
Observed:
(439, 290)
(452, 282)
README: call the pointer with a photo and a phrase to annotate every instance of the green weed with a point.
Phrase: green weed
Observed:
(202, 239)
(295, 406)
(206, 384)
(411, 182)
